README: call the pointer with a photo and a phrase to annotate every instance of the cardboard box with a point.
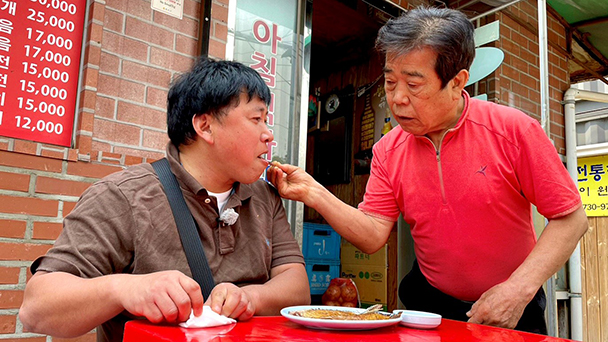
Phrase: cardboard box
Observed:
(351, 255)
(371, 282)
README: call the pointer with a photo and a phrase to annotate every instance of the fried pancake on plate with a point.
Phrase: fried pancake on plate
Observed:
(340, 315)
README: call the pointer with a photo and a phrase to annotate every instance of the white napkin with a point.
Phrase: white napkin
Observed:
(209, 318)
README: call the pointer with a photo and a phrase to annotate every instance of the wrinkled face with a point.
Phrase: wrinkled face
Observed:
(241, 139)
(414, 93)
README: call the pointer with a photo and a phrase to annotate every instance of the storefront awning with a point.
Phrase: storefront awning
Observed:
(588, 21)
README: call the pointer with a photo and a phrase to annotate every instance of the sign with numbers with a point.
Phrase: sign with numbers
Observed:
(593, 184)
(40, 48)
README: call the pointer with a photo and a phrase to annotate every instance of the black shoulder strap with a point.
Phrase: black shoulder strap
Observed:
(186, 226)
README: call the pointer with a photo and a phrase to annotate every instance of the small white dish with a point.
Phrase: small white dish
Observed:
(419, 319)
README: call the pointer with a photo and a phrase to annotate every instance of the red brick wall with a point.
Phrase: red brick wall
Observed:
(516, 82)
(141, 52)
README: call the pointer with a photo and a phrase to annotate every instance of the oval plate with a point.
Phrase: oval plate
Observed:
(333, 324)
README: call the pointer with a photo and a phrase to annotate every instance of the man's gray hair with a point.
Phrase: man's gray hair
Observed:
(446, 31)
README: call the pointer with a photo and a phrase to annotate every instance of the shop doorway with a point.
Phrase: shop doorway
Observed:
(345, 72)
(347, 109)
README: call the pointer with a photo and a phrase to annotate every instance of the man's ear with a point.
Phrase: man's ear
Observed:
(202, 126)
(459, 82)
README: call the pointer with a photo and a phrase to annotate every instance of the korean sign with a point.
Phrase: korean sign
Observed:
(593, 184)
(266, 66)
(40, 43)
(265, 40)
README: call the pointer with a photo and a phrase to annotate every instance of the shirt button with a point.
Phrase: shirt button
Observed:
(207, 200)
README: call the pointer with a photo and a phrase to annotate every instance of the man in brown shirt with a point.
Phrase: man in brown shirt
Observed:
(120, 256)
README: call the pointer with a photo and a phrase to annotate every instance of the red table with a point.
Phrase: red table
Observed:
(278, 328)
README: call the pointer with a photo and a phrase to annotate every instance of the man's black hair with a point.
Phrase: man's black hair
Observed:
(210, 87)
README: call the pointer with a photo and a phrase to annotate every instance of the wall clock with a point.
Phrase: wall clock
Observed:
(332, 103)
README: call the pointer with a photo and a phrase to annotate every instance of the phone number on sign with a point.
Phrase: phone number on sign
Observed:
(603, 206)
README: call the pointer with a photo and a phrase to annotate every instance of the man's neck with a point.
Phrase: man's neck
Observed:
(437, 136)
(199, 165)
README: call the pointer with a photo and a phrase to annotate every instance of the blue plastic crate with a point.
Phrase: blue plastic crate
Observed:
(320, 273)
(320, 242)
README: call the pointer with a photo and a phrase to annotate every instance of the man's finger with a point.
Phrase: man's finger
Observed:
(240, 309)
(153, 313)
(274, 175)
(216, 299)
(194, 292)
(247, 314)
(182, 302)
(231, 303)
(167, 307)
(473, 309)
(287, 168)
(475, 319)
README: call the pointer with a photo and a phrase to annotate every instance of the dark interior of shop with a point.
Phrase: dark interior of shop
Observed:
(343, 35)
(343, 64)
(346, 93)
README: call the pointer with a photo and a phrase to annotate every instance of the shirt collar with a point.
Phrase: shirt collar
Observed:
(188, 182)
(465, 110)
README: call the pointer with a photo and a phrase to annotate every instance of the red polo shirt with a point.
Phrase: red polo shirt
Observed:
(468, 201)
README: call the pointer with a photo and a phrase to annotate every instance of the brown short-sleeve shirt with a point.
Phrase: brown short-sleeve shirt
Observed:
(124, 224)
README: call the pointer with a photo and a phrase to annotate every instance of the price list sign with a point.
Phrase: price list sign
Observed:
(40, 48)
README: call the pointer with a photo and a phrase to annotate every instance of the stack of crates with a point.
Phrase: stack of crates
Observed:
(321, 249)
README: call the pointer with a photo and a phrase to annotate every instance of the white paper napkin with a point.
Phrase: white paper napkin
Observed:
(209, 318)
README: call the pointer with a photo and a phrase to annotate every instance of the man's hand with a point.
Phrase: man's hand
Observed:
(231, 301)
(291, 181)
(500, 306)
(503, 304)
(167, 296)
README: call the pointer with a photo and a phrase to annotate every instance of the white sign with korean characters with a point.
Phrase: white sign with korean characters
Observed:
(593, 184)
(265, 40)
(174, 8)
